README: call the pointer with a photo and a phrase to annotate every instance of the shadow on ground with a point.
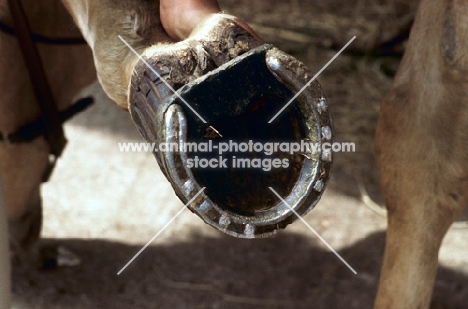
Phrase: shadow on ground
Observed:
(287, 271)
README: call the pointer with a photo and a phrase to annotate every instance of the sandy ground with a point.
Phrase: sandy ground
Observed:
(104, 205)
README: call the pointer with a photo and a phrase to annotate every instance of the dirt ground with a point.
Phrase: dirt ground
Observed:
(104, 205)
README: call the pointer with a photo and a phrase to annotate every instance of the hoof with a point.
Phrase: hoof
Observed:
(237, 100)
(24, 234)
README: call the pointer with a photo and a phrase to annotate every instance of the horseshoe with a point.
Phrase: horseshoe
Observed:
(223, 87)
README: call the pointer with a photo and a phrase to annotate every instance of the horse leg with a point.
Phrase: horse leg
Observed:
(22, 165)
(421, 153)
